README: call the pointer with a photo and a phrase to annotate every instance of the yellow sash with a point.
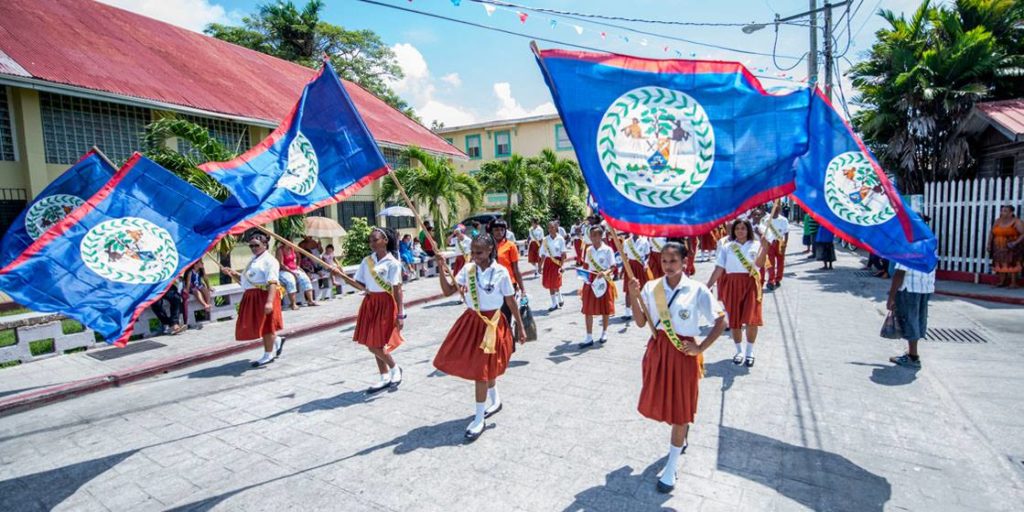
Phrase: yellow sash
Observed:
(751, 269)
(777, 235)
(636, 256)
(654, 245)
(547, 247)
(386, 286)
(604, 273)
(491, 335)
(665, 319)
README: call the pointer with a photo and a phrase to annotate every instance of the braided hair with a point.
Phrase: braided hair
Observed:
(392, 238)
(674, 245)
(487, 240)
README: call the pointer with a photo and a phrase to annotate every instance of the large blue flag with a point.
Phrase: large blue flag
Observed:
(56, 201)
(675, 147)
(319, 155)
(842, 186)
(111, 258)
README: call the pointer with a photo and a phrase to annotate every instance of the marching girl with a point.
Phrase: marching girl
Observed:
(775, 229)
(479, 345)
(654, 261)
(552, 256)
(739, 265)
(599, 289)
(579, 233)
(708, 243)
(674, 363)
(382, 313)
(636, 250)
(259, 313)
(533, 250)
(461, 247)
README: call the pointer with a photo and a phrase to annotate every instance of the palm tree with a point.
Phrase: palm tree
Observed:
(563, 176)
(434, 183)
(514, 177)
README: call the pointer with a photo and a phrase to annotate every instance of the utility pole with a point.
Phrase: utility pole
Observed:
(812, 57)
(828, 49)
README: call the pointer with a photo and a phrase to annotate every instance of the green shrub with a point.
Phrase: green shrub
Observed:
(357, 242)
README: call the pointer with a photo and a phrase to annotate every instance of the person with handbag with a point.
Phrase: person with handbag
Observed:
(908, 302)
(479, 345)
(552, 254)
(673, 362)
(381, 316)
(738, 264)
(599, 290)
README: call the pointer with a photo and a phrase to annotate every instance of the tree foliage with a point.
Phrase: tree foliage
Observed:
(514, 177)
(434, 184)
(299, 35)
(356, 245)
(923, 76)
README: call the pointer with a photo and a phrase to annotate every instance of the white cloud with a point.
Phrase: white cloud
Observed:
(418, 88)
(452, 79)
(190, 14)
(510, 108)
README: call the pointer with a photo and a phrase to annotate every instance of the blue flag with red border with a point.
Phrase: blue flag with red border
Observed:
(112, 257)
(56, 201)
(675, 147)
(842, 186)
(321, 154)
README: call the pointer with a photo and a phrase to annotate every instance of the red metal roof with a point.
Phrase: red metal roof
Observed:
(90, 45)
(1009, 114)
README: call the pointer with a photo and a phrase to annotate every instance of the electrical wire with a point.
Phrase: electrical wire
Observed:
(842, 91)
(775, 46)
(849, 35)
(573, 14)
(866, 20)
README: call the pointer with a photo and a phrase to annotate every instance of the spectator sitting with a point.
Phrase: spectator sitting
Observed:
(406, 254)
(168, 310)
(196, 284)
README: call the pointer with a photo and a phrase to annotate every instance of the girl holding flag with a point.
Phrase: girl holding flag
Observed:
(738, 264)
(674, 363)
(462, 248)
(259, 313)
(636, 251)
(479, 345)
(381, 314)
(552, 254)
(599, 288)
(533, 250)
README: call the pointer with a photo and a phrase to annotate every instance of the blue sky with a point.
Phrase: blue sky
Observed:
(460, 74)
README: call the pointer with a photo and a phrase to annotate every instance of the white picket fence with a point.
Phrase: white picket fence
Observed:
(962, 214)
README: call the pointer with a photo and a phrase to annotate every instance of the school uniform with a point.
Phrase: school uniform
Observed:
(377, 321)
(552, 254)
(467, 352)
(774, 234)
(654, 261)
(598, 260)
(533, 250)
(635, 254)
(738, 288)
(463, 252)
(670, 377)
(258, 280)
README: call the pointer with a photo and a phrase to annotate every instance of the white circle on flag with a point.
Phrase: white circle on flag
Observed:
(130, 250)
(48, 211)
(854, 192)
(303, 170)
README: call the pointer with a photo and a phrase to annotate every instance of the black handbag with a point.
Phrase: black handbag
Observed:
(528, 323)
(891, 328)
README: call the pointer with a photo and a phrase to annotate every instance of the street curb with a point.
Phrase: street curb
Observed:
(988, 298)
(68, 390)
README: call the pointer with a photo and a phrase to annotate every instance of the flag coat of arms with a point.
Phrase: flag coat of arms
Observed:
(112, 257)
(675, 147)
(322, 153)
(842, 186)
(56, 201)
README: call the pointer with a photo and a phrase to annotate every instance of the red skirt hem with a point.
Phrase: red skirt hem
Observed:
(460, 354)
(671, 382)
(533, 253)
(551, 278)
(597, 306)
(739, 295)
(253, 322)
(377, 322)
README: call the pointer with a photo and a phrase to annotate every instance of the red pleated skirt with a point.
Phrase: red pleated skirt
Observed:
(377, 322)
(577, 245)
(639, 272)
(460, 261)
(253, 321)
(738, 292)
(654, 263)
(460, 354)
(707, 242)
(551, 278)
(670, 382)
(533, 253)
(597, 306)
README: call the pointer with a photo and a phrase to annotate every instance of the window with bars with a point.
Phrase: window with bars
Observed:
(6, 128)
(395, 158)
(234, 136)
(350, 210)
(73, 125)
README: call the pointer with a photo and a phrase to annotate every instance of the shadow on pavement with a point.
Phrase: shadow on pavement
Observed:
(341, 401)
(624, 490)
(449, 433)
(47, 489)
(232, 369)
(442, 304)
(726, 370)
(890, 374)
(817, 479)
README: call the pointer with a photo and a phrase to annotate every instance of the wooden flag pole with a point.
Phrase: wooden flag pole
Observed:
(445, 271)
(629, 274)
(103, 156)
(309, 255)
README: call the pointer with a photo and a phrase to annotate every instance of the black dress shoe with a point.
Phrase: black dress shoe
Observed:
(587, 344)
(472, 436)
(665, 488)
(737, 359)
(257, 363)
(376, 388)
(280, 348)
(488, 413)
(749, 362)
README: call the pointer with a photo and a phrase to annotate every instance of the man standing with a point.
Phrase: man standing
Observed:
(775, 231)
(908, 299)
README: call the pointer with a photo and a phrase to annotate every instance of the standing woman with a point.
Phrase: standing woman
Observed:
(654, 261)
(636, 251)
(825, 247)
(479, 345)
(381, 315)
(1004, 244)
(259, 313)
(739, 265)
(674, 363)
(534, 238)
(599, 289)
(462, 248)
(552, 254)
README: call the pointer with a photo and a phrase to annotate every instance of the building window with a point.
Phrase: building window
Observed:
(400, 222)
(1004, 167)
(12, 202)
(350, 210)
(502, 143)
(234, 136)
(396, 158)
(319, 212)
(473, 149)
(73, 125)
(562, 141)
(6, 128)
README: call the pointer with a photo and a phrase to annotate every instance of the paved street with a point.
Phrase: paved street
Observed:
(822, 422)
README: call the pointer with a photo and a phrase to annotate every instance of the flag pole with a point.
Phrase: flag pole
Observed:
(629, 274)
(310, 255)
(445, 271)
(104, 157)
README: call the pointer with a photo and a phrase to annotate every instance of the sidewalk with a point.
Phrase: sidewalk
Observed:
(979, 291)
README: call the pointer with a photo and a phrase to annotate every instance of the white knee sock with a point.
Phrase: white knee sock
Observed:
(750, 349)
(385, 377)
(554, 301)
(668, 476)
(492, 395)
(267, 356)
(394, 371)
(480, 408)
(739, 348)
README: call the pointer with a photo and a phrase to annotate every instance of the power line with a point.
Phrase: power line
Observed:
(572, 14)
(866, 20)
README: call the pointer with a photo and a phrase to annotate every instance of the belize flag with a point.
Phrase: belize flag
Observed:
(675, 147)
(842, 186)
(119, 252)
(56, 201)
(321, 154)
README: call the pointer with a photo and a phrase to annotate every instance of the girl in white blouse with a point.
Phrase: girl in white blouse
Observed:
(598, 294)
(259, 313)
(479, 345)
(739, 262)
(673, 363)
(552, 257)
(382, 313)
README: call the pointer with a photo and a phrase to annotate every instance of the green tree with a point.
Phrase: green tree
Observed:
(514, 177)
(357, 242)
(435, 183)
(299, 35)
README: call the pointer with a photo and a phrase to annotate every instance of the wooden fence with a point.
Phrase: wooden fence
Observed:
(962, 214)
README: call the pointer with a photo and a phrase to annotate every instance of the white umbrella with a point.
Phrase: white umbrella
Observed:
(396, 211)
